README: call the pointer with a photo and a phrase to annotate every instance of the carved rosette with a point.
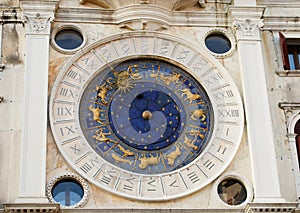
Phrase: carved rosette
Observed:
(248, 28)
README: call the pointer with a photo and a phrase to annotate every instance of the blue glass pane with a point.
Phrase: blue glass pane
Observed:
(67, 192)
(292, 63)
(68, 39)
(218, 43)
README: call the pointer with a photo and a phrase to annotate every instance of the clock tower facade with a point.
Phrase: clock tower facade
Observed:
(148, 106)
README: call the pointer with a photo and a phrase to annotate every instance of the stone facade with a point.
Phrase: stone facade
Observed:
(266, 160)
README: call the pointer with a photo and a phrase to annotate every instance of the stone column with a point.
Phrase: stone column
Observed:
(247, 22)
(37, 14)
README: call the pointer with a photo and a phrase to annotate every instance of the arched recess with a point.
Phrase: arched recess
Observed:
(292, 116)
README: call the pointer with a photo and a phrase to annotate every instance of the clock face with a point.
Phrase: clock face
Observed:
(146, 116)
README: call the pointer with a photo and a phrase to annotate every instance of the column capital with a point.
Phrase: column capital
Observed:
(38, 15)
(247, 22)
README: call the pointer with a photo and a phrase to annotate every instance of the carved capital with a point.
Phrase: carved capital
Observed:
(38, 15)
(38, 24)
(248, 28)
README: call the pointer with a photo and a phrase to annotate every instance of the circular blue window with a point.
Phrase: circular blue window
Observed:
(218, 43)
(68, 39)
(67, 192)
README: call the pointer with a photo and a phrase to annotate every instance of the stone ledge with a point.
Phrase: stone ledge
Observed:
(288, 73)
(271, 207)
(31, 207)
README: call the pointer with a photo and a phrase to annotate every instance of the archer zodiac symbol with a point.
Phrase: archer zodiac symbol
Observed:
(101, 136)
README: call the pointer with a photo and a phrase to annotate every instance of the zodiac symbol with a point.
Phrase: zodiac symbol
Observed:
(96, 113)
(195, 132)
(145, 162)
(102, 92)
(171, 157)
(101, 136)
(126, 152)
(167, 79)
(119, 159)
(124, 78)
(199, 113)
(189, 95)
(190, 143)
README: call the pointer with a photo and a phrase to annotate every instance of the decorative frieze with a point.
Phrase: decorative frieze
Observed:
(271, 207)
(26, 207)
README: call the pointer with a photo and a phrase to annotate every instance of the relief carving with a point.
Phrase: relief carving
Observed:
(248, 28)
(38, 24)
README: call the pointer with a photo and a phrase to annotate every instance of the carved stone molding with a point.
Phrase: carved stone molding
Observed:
(144, 25)
(271, 207)
(31, 207)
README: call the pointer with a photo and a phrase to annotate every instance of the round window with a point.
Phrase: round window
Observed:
(232, 191)
(218, 43)
(68, 39)
(67, 192)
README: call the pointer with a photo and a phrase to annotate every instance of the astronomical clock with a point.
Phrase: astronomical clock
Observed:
(146, 116)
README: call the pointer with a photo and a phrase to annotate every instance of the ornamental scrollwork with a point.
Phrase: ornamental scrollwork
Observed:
(248, 28)
(38, 23)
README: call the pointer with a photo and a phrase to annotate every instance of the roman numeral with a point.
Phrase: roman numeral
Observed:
(228, 113)
(144, 45)
(221, 150)
(86, 167)
(64, 111)
(183, 55)
(193, 177)
(209, 164)
(223, 95)
(173, 184)
(67, 130)
(66, 92)
(152, 185)
(124, 47)
(163, 50)
(75, 149)
(214, 78)
(75, 75)
(106, 179)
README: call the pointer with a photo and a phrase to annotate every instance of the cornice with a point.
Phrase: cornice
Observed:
(141, 12)
(246, 12)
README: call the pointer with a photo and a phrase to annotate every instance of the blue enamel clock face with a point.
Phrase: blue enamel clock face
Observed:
(146, 116)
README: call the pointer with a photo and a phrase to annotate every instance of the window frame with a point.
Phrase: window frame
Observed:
(288, 42)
